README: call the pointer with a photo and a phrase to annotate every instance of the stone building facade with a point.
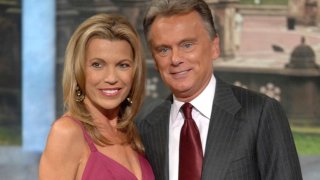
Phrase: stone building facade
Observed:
(70, 13)
(305, 12)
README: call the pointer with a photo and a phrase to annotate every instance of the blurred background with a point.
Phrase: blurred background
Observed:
(269, 46)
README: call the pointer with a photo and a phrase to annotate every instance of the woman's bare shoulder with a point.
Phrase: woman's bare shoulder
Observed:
(64, 150)
(66, 130)
(65, 133)
(66, 127)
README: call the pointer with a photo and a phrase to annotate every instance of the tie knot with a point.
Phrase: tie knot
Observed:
(186, 109)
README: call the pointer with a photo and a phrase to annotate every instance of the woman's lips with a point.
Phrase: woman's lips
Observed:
(110, 92)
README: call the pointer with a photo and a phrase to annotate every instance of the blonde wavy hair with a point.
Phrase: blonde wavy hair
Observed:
(110, 27)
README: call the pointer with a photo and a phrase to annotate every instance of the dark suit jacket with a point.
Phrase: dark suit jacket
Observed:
(249, 138)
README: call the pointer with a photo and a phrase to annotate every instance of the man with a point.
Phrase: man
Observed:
(242, 135)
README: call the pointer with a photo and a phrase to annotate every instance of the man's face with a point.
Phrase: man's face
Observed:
(183, 52)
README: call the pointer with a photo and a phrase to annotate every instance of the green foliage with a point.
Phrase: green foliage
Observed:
(266, 2)
(10, 136)
(307, 140)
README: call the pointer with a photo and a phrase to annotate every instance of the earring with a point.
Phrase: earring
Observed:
(129, 101)
(79, 95)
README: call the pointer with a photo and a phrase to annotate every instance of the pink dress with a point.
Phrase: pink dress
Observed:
(101, 167)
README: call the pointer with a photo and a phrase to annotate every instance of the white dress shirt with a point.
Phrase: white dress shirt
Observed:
(201, 113)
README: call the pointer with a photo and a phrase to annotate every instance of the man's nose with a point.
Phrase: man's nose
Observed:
(176, 58)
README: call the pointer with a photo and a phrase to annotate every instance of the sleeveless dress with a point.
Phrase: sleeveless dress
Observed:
(101, 167)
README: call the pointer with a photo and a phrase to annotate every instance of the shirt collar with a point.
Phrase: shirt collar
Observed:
(203, 102)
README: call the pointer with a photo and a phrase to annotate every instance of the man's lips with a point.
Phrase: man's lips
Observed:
(180, 73)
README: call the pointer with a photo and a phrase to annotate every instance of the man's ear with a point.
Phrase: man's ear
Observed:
(155, 65)
(216, 47)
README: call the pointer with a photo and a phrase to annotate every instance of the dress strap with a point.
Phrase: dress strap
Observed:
(85, 134)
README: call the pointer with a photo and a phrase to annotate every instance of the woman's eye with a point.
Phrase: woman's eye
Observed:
(124, 65)
(96, 65)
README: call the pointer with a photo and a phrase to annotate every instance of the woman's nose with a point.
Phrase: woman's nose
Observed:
(111, 76)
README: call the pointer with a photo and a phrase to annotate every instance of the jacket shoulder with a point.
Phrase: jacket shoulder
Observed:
(253, 104)
(148, 108)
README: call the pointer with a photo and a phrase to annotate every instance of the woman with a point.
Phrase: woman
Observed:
(103, 84)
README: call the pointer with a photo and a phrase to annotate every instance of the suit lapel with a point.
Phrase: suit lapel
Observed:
(156, 139)
(222, 132)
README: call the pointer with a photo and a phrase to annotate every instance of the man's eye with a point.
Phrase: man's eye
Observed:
(96, 65)
(187, 45)
(163, 51)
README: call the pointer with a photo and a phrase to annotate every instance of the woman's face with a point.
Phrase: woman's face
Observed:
(108, 73)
